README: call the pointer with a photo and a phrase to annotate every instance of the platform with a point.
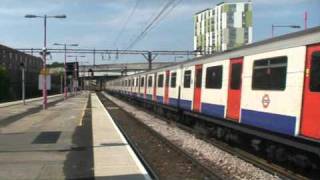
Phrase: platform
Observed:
(72, 139)
(113, 156)
(38, 144)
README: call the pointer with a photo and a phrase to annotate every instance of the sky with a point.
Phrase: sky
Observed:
(98, 23)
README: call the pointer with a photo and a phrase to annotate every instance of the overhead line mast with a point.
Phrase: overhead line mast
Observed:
(149, 55)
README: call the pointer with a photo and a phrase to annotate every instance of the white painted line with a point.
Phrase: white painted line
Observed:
(131, 152)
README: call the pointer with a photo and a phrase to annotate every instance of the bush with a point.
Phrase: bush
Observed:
(4, 84)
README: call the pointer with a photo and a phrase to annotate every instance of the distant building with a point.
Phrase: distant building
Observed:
(224, 27)
(10, 65)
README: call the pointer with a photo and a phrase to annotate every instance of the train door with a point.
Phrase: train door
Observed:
(131, 86)
(234, 91)
(145, 83)
(138, 86)
(197, 88)
(166, 88)
(154, 94)
(310, 122)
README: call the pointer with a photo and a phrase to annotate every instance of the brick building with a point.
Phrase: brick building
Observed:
(10, 74)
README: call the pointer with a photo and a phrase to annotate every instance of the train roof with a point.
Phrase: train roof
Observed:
(301, 38)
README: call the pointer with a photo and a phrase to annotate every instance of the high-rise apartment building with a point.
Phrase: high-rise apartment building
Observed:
(224, 27)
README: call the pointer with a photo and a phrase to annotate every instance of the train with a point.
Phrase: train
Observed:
(265, 94)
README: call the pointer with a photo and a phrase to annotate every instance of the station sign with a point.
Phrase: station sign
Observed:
(45, 73)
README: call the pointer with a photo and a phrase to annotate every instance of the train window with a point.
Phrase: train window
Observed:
(173, 79)
(160, 80)
(142, 82)
(315, 72)
(270, 74)
(125, 83)
(150, 81)
(214, 77)
(129, 84)
(187, 79)
(236, 76)
(137, 82)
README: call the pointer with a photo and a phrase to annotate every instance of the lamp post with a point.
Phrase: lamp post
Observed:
(65, 66)
(75, 67)
(284, 26)
(23, 83)
(44, 53)
(83, 73)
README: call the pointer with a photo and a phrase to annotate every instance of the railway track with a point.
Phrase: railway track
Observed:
(193, 168)
(259, 162)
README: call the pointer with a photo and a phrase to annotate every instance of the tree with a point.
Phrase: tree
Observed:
(56, 64)
(4, 84)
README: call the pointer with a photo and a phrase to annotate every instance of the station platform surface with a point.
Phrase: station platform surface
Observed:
(113, 156)
(72, 139)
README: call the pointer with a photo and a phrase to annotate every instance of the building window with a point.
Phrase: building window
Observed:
(187, 79)
(150, 81)
(270, 74)
(315, 72)
(173, 79)
(160, 81)
(214, 77)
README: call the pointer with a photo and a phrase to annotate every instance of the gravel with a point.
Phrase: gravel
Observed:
(229, 165)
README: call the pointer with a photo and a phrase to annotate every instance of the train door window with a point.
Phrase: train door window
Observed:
(270, 74)
(129, 84)
(315, 72)
(160, 80)
(150, 81)
(187, 79)
(236, 76)
(142, 82)
(167, 80)
(137, 82)
(198, 78)
(173, 79)
(214, 77)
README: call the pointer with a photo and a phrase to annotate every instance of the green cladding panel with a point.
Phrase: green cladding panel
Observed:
(225, 8)
(248, 18)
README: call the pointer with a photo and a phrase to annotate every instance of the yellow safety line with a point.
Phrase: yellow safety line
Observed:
(82, 114)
